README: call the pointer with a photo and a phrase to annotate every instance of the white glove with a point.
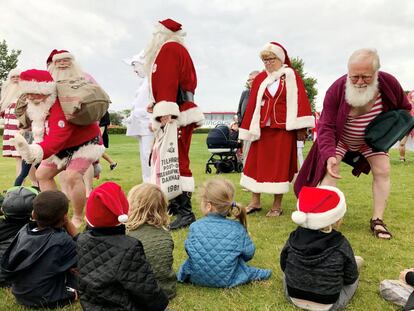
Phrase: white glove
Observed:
(30, 153)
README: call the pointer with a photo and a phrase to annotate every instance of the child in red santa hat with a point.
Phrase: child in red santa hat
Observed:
(113, 271)
(320, 269)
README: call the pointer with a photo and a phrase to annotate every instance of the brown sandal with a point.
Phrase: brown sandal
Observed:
(253, 209)
(274, 213)
(377, 232)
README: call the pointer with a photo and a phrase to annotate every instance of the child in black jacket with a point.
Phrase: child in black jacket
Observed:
(17, 209)
(320, 269)
(40, 260)
(114, 274)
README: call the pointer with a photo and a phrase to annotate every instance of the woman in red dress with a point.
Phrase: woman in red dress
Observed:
(277, 114)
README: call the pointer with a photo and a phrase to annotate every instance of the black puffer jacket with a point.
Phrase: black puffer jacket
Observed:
(114, 274)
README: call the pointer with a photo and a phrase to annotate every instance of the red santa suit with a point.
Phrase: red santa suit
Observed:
(270, 122)
(57, 140)
(173, 72)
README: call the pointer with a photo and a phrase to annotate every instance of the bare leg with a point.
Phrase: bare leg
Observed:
(18, 166)
(77, 195)
(32, 176)
(401, 148)
(380, 166)
(107, 158)
(255, 201)
(45, 175)
(88, 180)
(63, 182)
(277, 202)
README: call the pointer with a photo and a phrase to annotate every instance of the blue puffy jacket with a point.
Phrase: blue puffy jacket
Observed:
(218, 249)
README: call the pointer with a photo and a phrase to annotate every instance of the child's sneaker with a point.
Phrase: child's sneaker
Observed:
(113, 165)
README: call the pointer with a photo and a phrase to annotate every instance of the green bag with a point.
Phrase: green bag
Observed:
(388, 128)
(83, 102)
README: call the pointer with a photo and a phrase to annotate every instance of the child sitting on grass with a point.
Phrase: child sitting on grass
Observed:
(400, 292)
(320, 269)
(147, 222)
(17, 209)
(218, 247)
(40, 260)
(113, 271)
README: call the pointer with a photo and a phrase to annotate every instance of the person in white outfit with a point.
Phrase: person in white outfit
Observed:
(139, 122)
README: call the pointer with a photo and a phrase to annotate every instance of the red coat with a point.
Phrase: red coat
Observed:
(173, 69)
(290, 109)
(61, 134)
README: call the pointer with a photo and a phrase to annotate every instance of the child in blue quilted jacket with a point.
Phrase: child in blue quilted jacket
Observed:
(218, 247)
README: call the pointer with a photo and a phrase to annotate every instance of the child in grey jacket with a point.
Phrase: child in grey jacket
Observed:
(320, 269)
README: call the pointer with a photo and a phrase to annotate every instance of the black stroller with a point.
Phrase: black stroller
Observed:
(223, 144)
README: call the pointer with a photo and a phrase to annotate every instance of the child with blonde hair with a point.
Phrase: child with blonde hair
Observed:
(147, 221)
(218, 247)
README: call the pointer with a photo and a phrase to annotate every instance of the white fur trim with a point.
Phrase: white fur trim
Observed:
(192, 115)
(164, 108)
(277, 50)
(263, 187)
(92, 152)
(317, 221)
(34, 87)
(123, 218)
(62, 56)
(187, 183)
(37, 153)
(245, 134)
(293, 122)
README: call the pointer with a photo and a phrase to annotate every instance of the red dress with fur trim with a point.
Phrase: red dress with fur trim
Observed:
(61, 134)
(270, 122)
(173, 70)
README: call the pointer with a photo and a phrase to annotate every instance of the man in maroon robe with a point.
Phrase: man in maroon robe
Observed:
(353, 97)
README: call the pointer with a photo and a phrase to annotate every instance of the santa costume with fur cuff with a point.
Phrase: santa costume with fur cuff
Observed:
(270, 122)
(173, 72)
(54, 135)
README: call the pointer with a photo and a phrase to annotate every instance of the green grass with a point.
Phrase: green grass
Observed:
(383, 259)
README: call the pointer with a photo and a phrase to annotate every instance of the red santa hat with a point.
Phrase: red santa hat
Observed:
(278, 50)
(37, 82)
(107, 206)
(171, 24)
(58, 54)
(319, 207)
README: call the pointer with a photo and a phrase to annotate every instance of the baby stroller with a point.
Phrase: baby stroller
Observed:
(223, 144)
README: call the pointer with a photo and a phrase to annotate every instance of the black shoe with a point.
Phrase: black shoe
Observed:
(113, 165)
(182, 222)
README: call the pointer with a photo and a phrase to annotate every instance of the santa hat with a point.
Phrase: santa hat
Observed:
(58, 54)
(171, 24)
(278, 50)
(107, 206)
(319, 207)
(37, 82)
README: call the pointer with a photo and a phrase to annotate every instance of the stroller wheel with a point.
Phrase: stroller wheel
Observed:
(240, 167)
(208, 169)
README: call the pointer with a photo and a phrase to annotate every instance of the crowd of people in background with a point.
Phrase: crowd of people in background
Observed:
(123, 260)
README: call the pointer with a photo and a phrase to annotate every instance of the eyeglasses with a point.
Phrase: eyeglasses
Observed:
(269, 60)
(365, 78)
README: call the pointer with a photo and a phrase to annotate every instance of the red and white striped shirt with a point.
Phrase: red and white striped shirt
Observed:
(353, 135)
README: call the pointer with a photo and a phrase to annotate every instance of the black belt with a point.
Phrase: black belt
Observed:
(68, 152)
(184, 96)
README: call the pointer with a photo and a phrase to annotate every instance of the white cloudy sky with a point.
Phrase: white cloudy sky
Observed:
(223, 37)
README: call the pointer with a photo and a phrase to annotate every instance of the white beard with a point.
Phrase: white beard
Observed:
(359, 97)
(73, 72)
(158, 39)
(37, 113)
(10, 92)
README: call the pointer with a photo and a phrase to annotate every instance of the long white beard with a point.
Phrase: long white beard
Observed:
(73, 72)
(9, 94)
(37, 113)
(158, 39)
(359, 97)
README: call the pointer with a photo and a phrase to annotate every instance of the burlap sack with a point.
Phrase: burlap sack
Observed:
(83, 102)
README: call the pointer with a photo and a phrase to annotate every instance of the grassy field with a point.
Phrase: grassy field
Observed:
(383, 259)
